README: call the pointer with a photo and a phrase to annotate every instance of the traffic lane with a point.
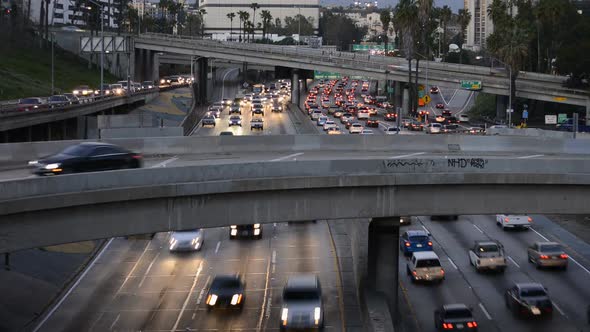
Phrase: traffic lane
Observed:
(424, 299)
(568, 289)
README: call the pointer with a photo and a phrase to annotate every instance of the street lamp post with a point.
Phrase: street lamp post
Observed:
(101, 6)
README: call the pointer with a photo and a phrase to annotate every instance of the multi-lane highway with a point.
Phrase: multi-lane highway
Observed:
(139, 285)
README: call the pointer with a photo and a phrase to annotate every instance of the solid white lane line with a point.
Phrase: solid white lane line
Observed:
(188, 296)
(287, 157)
(425, 229)
(485, 312)
(133, 269)
(453, 263)
(407, 155)
(513, 262)
(479, 229)
(115, 322)
(265, 299)
(165, 162)
(202, 292)
(558, 308)
(274, 257)
(61, 301)
(541, 235)
(148, 270)
(217, 246)
(531, 156)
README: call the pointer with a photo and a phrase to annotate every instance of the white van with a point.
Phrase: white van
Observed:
(514, 221)
(433, 128)
(425, 266)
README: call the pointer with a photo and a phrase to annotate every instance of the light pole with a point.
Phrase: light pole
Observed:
(509, 110)
(52, 63)
(101, 6)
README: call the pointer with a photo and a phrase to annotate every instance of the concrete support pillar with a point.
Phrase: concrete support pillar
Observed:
(156, 67)
(295, 89)
(201, 81)
(383, 260)
(81, 127)
(501, 106)
(587, 111)
(305, 88)
(245, 72)
(406, 102)
(397, 86)
(138, 63)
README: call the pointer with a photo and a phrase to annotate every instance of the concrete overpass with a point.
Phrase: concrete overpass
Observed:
(179, 59)
(529, 85)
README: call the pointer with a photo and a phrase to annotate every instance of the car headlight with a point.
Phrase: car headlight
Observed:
(35, 106)
(233, 232)
(211, 299)
(76, 92)
(256, 225)
(257, 231)
(317, 314)
(173, 243)
(195, 241)
(284, 315)
(52, 166)
(236, 299)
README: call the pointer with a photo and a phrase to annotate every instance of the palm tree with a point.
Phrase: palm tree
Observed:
(244, 16)
(445, 17)
(463, 18)
(266, 19)
(548, 13)
(202, 12)
(425, 10)
(254, 7)
(385, 17)
(231, 17)
(406, 18)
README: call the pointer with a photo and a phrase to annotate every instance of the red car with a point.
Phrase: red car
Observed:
(29, 104)
(391, 116)
(373, 123)
(440, 106)
(434, 90)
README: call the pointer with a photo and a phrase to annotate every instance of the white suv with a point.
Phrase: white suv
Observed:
(356, 128)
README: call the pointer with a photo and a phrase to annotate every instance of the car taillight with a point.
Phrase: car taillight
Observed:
(442, 271)
(563, 256)
(430, 243)
(471, 324)
(530, 219)
(137, 156)
(506, 219)
(407, 244)
(544, 257)
(447, 326)
(414, 273)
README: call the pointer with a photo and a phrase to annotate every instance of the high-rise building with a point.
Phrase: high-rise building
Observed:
(480, 27)
(69, 12)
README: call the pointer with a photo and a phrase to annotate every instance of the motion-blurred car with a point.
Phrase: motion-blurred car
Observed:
(463, 118)
(547, 254)
(529, 299)
(87, 157)
(440, 106)
(334, 131)
(392, 130)
(416, 126)
(434, 90)
(235, 120)
(476, 130)
(117, 89)
(191, 240)
(226, 291)
(372, 123)
(146, 85)
(302, 306)
(30, 104)
(405, 220)
(454, 317)
(256, 123)
(235, 109)
(58, 101)
(248, 230)
(208, 120)
(414, 241)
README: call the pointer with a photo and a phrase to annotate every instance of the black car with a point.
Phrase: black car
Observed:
(208, 120)
(87, 157)
(251, 230)
(373, 123)
(226, 291)
(454, 317)
(235, 120)
(257, 111)
(235, 109)
(529, 299)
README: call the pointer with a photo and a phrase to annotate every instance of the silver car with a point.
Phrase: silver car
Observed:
(547, 254)
(186, 240)
(302, 303)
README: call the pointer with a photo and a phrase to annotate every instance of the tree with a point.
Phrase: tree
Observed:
(339, 29)
(406, 17)
(254, 7)
(231, 17)
(266, 22)
(244, 17)
(445, 17)
(385, 17)
(299, 23)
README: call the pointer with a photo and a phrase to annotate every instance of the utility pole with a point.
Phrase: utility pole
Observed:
(52, 65)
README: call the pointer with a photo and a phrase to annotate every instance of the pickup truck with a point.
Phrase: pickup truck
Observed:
(487, 255)
(513, 221)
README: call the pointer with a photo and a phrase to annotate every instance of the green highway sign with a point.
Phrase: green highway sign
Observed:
(470, 85)
(325, 75)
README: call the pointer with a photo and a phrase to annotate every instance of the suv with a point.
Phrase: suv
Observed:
(425, 266)
(487, 255)
(302, 303)
(256, 123)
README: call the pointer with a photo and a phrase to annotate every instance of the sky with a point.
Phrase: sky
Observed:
(454, 4)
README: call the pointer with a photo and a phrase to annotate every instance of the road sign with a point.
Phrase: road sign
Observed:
(427, 99)
(470, 85)
(559, 98)
(550, 119)
(561, 118)
(525, 114)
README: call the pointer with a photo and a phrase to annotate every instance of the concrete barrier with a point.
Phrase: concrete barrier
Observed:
(141, 132)
(452, 144)
(535, 132)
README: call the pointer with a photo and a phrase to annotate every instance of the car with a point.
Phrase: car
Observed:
(547, 254)
(251, 230)
(529, 299)
(440, 119)
(433, 128)
(235, 109)
(513, 221)
(30, 104)
(367, 132)
(446, 113)
(227, 101)
(226, 133)
(302, 306)
(487, 255)
(83, 91)
(191, 240)
(363, 114)
(276, 107)
(257, 111)
(72, 98)
(355, 128)
(406, 122)
(392, 130)
(146, 85)
(226, 291)
(235, 120)
(333, 109)
(58, 101)
(208, 120)
(117, 89)
(315, 114)
(416, 126)
(346, 117)
(405, 220)
(463, 118)
(451, 119)
(475, 130)
(256, 123)
(87, 157)
(329, 124)
(220, 105)
(338, 114)
(322, 120)
(390, 116)
(414, 241)
(425, 266)
(334, 131)
(372, 123)
(215, 111)
(434, 90)
(454, 317)
(440, 106)
(106, 90)
(449, 128)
